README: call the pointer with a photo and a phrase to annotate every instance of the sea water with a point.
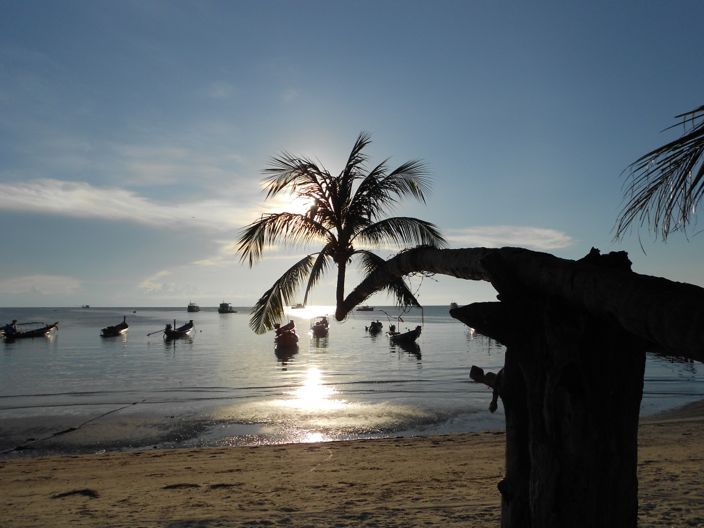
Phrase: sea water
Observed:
(76, 391)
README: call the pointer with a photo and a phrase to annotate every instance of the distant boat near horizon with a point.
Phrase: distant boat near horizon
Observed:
(193, 307)
(365, 308)
(226, 308)
(298, 306)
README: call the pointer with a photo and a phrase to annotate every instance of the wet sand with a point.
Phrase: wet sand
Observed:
(435, 481)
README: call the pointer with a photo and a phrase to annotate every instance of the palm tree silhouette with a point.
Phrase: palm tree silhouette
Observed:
(346, 210)
(667, 183)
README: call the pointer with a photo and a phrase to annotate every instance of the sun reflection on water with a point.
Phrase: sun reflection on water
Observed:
(310, 311)
(314, 395)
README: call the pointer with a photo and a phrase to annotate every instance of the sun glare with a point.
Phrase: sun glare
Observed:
(289, 203)
(313, 395)
(310, 311)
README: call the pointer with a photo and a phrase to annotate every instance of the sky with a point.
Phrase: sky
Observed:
(133, 134)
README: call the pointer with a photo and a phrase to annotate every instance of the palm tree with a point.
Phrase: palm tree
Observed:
(347, 211)
(667, 183)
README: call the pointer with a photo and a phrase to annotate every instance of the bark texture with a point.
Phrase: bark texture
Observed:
(576, 333)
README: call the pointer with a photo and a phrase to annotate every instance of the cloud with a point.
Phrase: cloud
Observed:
(180, 162)
(155, 282)
(83, 200)
(499, 236)
(39, 284)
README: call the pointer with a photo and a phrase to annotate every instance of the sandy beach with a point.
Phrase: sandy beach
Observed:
(436, 481)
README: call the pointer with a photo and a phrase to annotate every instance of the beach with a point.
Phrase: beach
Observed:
(445, 480)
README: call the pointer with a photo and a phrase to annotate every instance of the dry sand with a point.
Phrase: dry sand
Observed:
(438, 481)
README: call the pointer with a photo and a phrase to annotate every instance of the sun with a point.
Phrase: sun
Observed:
(289, 203)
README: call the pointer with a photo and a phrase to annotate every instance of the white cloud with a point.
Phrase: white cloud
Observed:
(83, 200)
(499, 236)
(39, 284)
(155, 282)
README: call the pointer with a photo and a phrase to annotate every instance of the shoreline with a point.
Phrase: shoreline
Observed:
(116, 432)
(447, 480)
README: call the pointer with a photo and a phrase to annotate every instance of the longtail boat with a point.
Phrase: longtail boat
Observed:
(176, 333)
(37, 332)
(400, 338)
(320, 327)
(286, 335)
(116, 330)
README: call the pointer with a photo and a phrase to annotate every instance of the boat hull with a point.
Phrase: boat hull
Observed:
(180, 332)
(319, 331)
(406, 337)
(113, 331)
(286, 339)
(38, 332)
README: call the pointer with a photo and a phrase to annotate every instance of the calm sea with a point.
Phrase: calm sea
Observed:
(78, 392)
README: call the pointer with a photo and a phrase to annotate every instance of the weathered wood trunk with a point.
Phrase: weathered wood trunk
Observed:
(576, 334)
(571, 388)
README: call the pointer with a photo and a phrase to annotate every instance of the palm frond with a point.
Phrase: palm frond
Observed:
(322, 262)
(667, 183)
(356, 159)
(295, 228)
(269, 309)
(379, 190)
(351, 172)
(398, 288)
(402, 231)
(297, 175)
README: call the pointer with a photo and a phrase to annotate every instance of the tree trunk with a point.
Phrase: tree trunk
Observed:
(340, 290)
(571, 388)
(666, 314)
(576, 335)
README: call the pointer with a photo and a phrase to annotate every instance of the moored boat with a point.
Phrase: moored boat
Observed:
(42, 331)
(185, 330)
(226, 308)
(399, 338)
(286, 335)
(365, 308)
(320, 327)
(193, 307)
(375, 327)
(116, 330)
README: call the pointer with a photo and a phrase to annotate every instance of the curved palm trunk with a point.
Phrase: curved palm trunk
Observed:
(666, 314)
(340, 290)
(576, 334)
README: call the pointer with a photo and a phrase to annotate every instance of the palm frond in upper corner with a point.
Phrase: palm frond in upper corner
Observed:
(666, 184)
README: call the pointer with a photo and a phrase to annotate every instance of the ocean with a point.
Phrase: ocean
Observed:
(226, 386)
